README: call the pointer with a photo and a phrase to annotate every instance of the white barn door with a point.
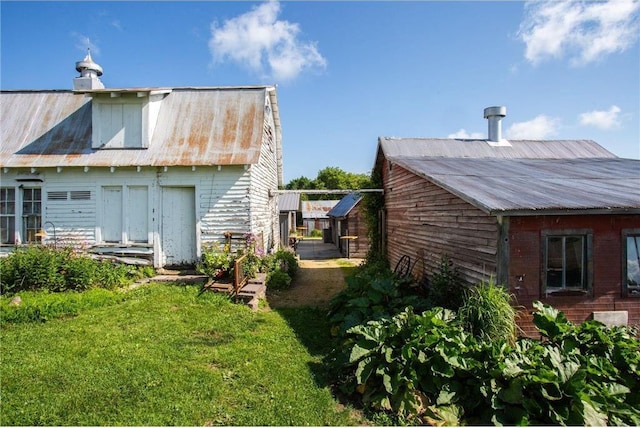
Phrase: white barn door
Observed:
(112, 214)
(178, 227)
(138, 214)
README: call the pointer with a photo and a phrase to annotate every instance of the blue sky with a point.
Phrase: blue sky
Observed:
(349, 72)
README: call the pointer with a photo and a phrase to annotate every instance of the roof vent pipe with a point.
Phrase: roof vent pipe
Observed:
(495, 115)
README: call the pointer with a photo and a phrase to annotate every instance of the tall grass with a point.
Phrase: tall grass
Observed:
(487, 312)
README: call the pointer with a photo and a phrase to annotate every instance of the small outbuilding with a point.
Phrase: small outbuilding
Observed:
(349, 226)
(289, 207)
(555, 221)
(314, 216)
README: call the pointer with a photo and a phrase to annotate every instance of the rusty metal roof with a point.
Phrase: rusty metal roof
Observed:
(316, 209)
(459, 148)
(195, 126)
(526, 186)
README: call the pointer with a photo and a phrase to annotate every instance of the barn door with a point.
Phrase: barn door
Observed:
(112, 214)
(178, 227)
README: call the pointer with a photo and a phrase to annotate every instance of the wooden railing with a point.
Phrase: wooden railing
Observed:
(239, 277)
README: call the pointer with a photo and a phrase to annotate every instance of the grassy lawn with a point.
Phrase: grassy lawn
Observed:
(166, 356)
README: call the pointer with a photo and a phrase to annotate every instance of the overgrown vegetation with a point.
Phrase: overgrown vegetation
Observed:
(437, 366)
(62, 269)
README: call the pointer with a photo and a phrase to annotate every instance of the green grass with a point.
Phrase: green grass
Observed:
(166, 356)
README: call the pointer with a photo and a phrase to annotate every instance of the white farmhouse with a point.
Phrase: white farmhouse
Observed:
(155, 171)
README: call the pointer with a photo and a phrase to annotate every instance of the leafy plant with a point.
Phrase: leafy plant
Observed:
(374, 292)
(278, 280)
(426, 368)
(286, 261)
(446, 288)
(215, 261)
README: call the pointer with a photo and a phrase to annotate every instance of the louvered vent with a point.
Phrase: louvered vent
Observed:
(80, 195)
(57, 195)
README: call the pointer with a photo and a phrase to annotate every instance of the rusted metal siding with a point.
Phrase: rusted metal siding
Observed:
(194, 126)
(427, 222)
(521, 185)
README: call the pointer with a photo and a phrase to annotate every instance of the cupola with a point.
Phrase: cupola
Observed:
(90, 73)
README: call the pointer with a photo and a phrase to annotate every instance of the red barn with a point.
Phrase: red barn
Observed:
(555, 221)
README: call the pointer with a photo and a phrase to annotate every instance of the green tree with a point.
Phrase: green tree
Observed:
(329, 178)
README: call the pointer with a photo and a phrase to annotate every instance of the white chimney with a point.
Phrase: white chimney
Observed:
(90, 73)
(495, 115)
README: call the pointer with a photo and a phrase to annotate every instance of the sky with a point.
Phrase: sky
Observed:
(348, 72)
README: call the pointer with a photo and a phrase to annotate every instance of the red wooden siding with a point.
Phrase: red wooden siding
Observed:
(426, 222)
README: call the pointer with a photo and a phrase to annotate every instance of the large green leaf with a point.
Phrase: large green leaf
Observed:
(364, 370)
(361, 349)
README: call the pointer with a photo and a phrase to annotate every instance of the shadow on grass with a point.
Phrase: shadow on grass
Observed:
(311, 327)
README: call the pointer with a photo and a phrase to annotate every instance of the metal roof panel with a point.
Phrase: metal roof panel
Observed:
(195, 126)
(502, 185)
(346, 204)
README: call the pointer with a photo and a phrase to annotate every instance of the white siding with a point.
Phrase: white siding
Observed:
(224, 203)
(264, 177)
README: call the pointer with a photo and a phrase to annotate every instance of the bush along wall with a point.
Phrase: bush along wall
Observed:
(42, 268)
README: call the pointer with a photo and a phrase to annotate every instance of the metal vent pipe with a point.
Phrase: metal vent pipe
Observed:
(495, 115)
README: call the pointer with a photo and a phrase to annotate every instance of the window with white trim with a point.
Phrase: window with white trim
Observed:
(631, 263)
(31, 214)
(8, 215)
(567, 261)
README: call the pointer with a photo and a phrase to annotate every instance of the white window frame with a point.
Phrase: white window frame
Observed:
(629, 290)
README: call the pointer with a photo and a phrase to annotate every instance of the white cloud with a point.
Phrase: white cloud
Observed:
(83, 43)
(584, 31)
(539, 128)
(264, 44)
(603, 119)
(464, 135)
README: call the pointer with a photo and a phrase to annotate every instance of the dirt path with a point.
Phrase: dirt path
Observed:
(316, 282)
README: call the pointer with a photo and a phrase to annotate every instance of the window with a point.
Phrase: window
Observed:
(631, 263)
(567, 261)
(31, 215)
(7, 215)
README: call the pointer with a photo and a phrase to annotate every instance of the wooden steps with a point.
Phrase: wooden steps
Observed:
(254, 290)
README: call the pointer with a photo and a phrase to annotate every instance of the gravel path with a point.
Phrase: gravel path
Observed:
(319, 278)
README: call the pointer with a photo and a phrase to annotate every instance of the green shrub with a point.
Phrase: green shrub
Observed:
(49, 269)
(446, 287)
(286, 261)
(278, 280)
(215, 261)
(81, 272)
(316, 233)
(487, 313)
(33, 268)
